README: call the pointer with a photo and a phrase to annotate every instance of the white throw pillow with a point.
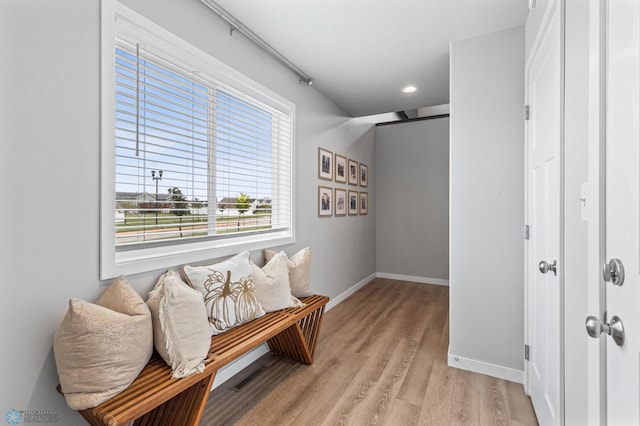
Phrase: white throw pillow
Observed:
(299, 271)
(181, 333)
(229, 293)
(100, 348)
(272, 284)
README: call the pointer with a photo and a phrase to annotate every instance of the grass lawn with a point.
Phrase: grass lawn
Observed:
(226, 224)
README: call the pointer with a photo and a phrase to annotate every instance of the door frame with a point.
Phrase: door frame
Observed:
(595, 210)
(551, 5)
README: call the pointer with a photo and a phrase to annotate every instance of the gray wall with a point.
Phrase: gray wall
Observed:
(412, 189)
(487, 202)
(49, 169)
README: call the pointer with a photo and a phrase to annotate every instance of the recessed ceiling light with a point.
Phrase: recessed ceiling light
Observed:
(409, 89)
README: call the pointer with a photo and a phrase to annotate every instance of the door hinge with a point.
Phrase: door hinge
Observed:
(526, 232)
(526, 112)
(526, 352)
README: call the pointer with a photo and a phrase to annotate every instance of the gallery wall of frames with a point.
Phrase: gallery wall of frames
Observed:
(345, 191)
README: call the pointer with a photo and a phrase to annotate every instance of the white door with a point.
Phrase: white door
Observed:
(544, 370)
(622, 207)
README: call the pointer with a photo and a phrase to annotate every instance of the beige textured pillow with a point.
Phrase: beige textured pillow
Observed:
(299, 271)
(181, 332)
(272, 284)
(229, 293)
(100, 348)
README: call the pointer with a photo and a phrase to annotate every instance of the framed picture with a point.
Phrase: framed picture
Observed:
(341, 168)
(353, 203)
(364, 203)
(353, 172)
(364, 175)
(340, 196)
(325, 201)
(325, 164)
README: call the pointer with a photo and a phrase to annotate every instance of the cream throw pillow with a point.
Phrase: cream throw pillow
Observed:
(299, 271)
(272, 284)
(181, 332)
(100, 348)
(229, 292)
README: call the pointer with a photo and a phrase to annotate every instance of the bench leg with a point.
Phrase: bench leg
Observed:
(298, 342)
(186, 408)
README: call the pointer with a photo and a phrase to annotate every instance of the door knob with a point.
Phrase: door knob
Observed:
(615, 329)
(613, 272)
(545, 267)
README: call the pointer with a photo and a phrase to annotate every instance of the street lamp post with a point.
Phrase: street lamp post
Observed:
(156, 178)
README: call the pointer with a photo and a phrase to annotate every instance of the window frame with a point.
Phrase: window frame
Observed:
(121, 262)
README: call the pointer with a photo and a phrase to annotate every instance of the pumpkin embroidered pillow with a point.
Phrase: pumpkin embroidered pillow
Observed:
(228, 290)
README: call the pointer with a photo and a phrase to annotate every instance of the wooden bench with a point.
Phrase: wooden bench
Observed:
(154, 398)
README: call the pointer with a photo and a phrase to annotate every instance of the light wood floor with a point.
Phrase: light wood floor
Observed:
(381, 360)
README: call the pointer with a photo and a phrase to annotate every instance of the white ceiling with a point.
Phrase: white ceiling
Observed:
(360, 53)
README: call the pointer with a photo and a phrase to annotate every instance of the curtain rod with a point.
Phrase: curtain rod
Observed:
(238, 26)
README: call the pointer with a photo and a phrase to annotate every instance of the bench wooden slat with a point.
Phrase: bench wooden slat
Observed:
(155, 398)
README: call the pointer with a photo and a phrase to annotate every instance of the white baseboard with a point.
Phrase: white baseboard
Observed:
(423, 280)
(481, 367)
(230, 370)
(342, 296)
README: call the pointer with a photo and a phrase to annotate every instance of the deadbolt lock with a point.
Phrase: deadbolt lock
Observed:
(613, 272)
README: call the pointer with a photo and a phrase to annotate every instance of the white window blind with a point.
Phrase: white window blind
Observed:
(197, 160)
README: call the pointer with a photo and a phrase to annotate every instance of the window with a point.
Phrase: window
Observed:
(201, 156)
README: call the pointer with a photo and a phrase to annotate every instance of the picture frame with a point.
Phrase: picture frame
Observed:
(325, 201)
(340, 198)
(363, 176)
(353, 200)
(353, 172)
(325, 164)
(363, 205)
(341, 168)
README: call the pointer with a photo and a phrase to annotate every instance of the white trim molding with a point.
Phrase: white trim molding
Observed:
(342, 296)
(481, 367)
(230, 370)
(422, 280)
